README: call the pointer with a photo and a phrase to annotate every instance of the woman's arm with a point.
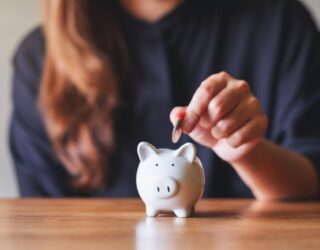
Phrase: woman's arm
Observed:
(272, 172)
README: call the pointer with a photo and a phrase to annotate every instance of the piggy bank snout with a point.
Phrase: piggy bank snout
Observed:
(165, 187)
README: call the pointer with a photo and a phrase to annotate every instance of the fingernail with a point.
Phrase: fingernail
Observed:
(181, 115)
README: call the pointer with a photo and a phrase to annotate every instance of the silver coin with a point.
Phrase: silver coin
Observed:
(176, 132)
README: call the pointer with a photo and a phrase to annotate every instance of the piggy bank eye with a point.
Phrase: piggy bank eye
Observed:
(157, 164)
(172, 164)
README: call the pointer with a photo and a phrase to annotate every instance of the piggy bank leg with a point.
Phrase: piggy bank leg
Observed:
(183, 212)
(151, 212)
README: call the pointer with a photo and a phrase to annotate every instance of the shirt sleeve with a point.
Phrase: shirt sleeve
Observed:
(39, 172)
(297, 106)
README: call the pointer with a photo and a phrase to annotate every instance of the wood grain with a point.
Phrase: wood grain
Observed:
(121, 224)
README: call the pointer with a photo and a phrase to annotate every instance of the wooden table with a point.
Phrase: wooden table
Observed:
(121, 224)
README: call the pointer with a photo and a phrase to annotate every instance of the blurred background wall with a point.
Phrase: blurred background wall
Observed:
(17, 17)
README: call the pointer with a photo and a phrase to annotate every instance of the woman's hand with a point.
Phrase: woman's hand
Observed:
(223, 115)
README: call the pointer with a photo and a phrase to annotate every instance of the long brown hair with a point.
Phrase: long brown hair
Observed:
(79, 90)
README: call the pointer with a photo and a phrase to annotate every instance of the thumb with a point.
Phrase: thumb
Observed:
(176, 113)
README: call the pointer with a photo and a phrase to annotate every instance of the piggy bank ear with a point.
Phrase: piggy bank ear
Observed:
(145, 150)
(187, 151)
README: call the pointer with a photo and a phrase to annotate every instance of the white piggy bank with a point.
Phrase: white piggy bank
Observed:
(169, 180)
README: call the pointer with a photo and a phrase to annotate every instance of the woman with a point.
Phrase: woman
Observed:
(101, 76)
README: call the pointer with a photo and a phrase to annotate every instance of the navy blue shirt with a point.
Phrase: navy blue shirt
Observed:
(273, 44)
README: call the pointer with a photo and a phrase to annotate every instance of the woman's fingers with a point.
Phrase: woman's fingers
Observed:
(198, 134)
(245, 111)
(201, 99)
(223, 115)
(225, 102)
(228, 99)
(252, 130)
(203, 136)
